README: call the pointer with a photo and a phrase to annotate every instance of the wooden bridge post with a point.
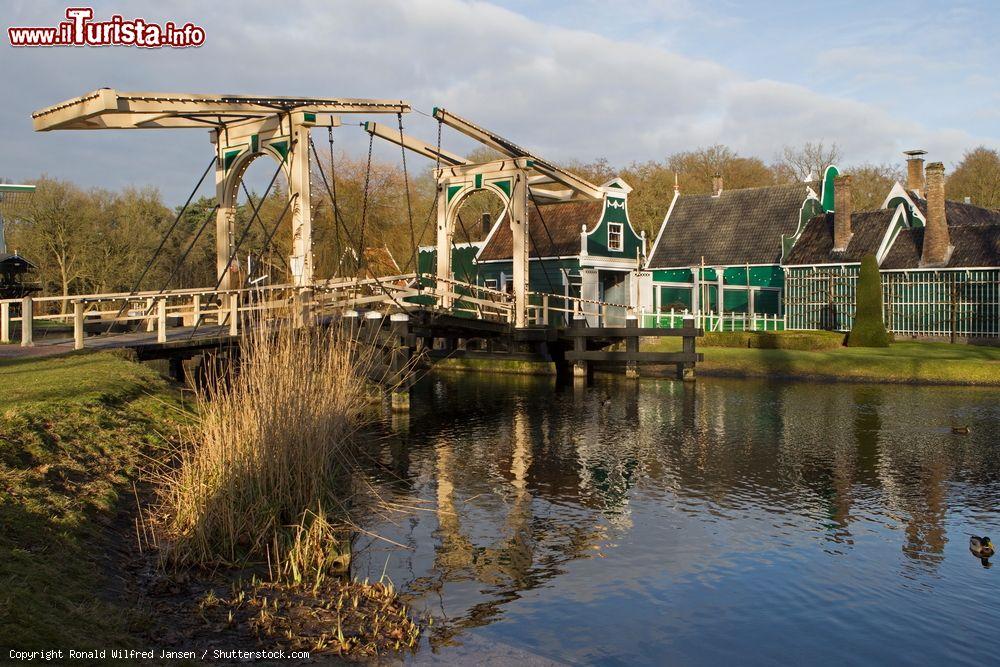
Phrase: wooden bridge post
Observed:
(350, 321)
(685, 371)
(77, 324)
(545, 310)
(234, 314)
(5, 322)
(150, 321)
(399, 361)
(373, 323)
(27, 322)
(631, 344)
(196, 310)
(580, 367)
(161, 320)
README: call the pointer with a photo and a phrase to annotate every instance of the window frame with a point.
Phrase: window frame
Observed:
(621, 237)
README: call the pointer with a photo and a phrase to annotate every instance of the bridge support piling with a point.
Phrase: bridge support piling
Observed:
(399, 361)
(351, 324)
(685, 371)
(77, 324)
(4, 322)
(27, 322)
(631, 345)
(373, 323)
(581, 368)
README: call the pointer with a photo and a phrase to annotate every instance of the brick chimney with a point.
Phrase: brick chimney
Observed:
(937, 242)
(487, 224)
(841, 212)
(915, 171)
(717, 185)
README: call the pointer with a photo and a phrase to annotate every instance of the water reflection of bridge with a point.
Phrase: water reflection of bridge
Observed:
(526, 488)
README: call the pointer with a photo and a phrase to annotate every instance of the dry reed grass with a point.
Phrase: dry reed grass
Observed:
(265, 469)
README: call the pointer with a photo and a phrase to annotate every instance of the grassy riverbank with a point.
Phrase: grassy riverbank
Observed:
(73, 433)
(903, 362)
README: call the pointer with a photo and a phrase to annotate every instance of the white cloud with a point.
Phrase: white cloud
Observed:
(565, 92)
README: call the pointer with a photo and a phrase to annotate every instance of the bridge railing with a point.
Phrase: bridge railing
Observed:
(201, 309)
(545, 309)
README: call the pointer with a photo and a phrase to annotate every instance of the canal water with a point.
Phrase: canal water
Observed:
(719, 522)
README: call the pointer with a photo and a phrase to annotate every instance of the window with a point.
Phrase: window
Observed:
(491, 283)
(616, 236)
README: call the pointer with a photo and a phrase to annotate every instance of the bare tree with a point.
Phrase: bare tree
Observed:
(870, 184)
(796, 164)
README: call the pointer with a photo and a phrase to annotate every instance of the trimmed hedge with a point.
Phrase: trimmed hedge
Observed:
(774, 340)
(869, 329)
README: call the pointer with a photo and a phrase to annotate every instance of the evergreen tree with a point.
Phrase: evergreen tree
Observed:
(869, 329)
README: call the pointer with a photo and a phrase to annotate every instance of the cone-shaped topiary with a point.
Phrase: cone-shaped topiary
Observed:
(869, 329)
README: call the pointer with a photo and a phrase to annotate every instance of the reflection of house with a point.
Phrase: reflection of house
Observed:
(729, 243)
(940, 261)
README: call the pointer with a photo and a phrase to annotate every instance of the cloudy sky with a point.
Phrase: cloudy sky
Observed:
(626, 81)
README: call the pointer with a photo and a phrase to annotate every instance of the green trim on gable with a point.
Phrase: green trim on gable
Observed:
(828, 196)
(454, 190)
(615, 211)
(810, 209)
(911, 219)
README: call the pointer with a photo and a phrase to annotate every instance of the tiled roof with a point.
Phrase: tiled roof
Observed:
(738, 227)
(563, 222)
(815, 245)
(974, 245)
(960, 214)
(974, 233)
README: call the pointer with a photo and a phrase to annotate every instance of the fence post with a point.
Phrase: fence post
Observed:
(545, 310)
(27, 322)
(631, 345)
(234, 314)
(5, 322)
(150, 320)
(77, 324)
(685, 370)
(161, 320)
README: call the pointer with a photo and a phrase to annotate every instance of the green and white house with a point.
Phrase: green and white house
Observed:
(939, 262)
(584, 249)
(719, 256)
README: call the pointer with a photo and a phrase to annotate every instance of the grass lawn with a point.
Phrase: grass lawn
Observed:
(73, 430)
(906, 362)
